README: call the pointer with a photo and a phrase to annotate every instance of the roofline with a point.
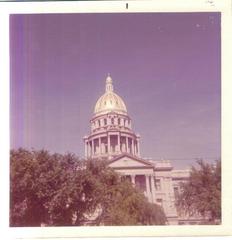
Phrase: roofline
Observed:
(135, 167)
(160, 169)
(110, 131)
(133, 157)
(99, 114)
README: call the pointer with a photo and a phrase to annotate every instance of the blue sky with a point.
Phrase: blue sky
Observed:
(165, 66)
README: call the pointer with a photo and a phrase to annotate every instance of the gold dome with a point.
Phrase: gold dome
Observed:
(110, 101)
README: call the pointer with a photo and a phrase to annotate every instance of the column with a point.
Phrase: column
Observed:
(127, 147)
(89, 150)
(164, 189)
(86, 149)
(103, 147)
(118, 143)
(133, 179)
(92, 147)
(132, 146)
(148, 188)
(108, 144)
(108, 121)
(138, 146)
(153, 188)
(100, 146)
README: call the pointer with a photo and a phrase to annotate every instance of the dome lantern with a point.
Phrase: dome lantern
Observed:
(109, 84)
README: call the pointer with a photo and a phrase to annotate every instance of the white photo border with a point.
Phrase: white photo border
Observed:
(222, 6)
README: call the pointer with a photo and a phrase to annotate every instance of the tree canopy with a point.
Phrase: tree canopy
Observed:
(202, 193)
(63, 190)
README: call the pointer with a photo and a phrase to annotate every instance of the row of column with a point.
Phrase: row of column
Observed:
(150, 186)
(90, 148)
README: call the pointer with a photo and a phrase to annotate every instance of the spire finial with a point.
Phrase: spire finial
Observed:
(109, 84)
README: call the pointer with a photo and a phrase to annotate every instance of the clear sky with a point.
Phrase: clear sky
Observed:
(165, 66)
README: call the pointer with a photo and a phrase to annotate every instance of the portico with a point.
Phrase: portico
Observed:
(139, 172)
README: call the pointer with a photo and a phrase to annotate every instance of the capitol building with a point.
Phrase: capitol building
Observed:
(112, 138)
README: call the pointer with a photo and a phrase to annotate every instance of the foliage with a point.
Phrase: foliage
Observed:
(62, 190)
(128, 206)
(202, 193)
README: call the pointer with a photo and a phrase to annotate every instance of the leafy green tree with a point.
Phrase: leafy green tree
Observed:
(128, 206)
(202, 193)
(37, 180)
(62, 190)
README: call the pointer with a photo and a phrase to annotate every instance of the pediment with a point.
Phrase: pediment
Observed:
(127, 161)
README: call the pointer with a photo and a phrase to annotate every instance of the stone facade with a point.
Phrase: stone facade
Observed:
(112, 138)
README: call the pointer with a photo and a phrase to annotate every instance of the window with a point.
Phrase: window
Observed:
(192, 223)
(105, 121)
(99, 123)
(112, 121)
(182, 223)
(159, 201)
(176, 192)
(126, 178)
(157, 184)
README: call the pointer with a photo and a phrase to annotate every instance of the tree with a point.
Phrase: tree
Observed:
(202, 193)
(126, 205)
(62, 190)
